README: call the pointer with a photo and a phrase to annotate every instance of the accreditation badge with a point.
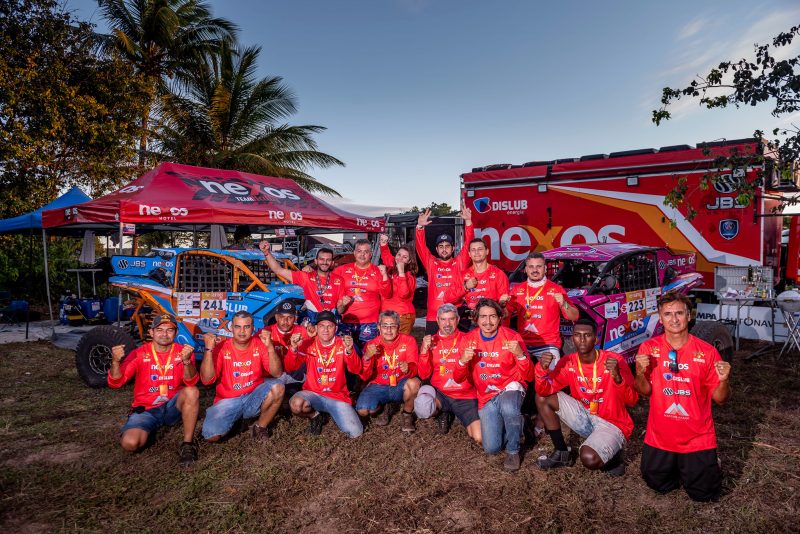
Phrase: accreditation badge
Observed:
(323, 380)
(593, 406)
(442, 370)
(163, 390)
(393, 380)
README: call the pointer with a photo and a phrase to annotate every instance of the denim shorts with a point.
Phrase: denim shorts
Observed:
(375, 395)
(166, 414)
(603, 437)
(221, 416)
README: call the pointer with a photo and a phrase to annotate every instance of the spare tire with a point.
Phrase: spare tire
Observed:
(93, 355)
(715, 334)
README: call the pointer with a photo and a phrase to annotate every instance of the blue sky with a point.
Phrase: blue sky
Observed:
(416, 92)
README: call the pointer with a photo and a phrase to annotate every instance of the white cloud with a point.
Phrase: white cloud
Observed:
(692, 28)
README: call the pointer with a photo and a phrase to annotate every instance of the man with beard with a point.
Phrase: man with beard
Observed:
(326, 356)
(444, 270)
(280, 334)
(481, 280)
(239, 366)
(164, 390)
(322, 289)
(438, 358)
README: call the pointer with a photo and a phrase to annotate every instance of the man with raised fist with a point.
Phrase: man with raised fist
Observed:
(164, 390)
(682, 375)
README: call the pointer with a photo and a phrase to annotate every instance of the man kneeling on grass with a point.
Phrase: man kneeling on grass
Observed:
(390, 368)
(326, 357)
(238, 366)
(164, 390)
(601, 386)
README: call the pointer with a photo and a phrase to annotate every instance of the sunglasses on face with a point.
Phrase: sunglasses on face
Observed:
(673, 360)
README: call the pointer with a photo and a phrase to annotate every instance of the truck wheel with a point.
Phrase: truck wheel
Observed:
(93, 355)
(715, 334)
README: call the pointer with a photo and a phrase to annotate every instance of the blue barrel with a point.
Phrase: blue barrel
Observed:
(111, 309)
(90, 307)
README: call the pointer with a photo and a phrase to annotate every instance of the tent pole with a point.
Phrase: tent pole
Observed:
(119, 293)
(28, 279)
(47, 281)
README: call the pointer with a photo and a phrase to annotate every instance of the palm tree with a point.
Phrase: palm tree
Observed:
(227, 118)
(161, 38)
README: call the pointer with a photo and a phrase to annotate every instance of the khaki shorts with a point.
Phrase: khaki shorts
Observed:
(603, 437)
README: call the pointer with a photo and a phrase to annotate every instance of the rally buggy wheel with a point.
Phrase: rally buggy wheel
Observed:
(715, 334)
(93, 355)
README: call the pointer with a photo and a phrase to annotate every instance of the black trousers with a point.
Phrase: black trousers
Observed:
(698, 472)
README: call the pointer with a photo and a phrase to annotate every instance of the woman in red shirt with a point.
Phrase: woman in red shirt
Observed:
(402, 269)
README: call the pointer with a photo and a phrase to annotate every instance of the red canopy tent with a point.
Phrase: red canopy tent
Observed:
(186, 197)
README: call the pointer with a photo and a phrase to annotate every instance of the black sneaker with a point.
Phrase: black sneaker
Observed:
(259, 433)
(616, 465)
(187, 454)
(511, 462)
(317, 422)
(443, 423)
(555, 460)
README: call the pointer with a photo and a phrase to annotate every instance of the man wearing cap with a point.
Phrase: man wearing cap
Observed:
(322, 289)
(239, 366)
(365, 285)
(280, 334)
(326, 356)
(601, 389)
(682, 375)
(390, 369)
(164, 390)
(444, 270)
(438, 358)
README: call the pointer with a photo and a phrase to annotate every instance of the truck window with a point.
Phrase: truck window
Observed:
(635, 273)
(202, 273)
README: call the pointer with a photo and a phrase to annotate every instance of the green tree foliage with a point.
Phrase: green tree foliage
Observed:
(228, 118)
(763, 79)
(66, 116)
(437, 209)
(162, 39)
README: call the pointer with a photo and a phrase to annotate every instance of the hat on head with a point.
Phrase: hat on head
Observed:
(325, 316)
(286, 307)
(444, 238)
(163, 318)
(425, 403)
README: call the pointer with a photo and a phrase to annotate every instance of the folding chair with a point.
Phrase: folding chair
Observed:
(793, 327)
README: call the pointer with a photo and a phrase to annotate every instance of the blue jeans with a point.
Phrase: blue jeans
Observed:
(375, 395)
(501, 421)
(221, 416)
(166, 414)
(342, 413)
(361, 333)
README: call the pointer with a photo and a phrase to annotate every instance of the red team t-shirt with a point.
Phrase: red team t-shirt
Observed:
(239, 371)
(680, 403)
(325, 367)
(280, 340)
(367, 287)
(152, 374)
(321, 293)
(383, 365)
(612, 398)
(403, 287)
(492, 284)
(539, 316)
(443, 276)
(439, 364)
(493, 367)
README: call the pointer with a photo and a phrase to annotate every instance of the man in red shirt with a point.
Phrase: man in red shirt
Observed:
(390, 369)
(326, 357)
(164, 389)
(481, 280)
(539, 304)
(601, 388)
(365, 285)
(239, 366)
(438, 358)
(322, 289)
(280, 334)
(495, 361)
(682, 375)
(444, 270)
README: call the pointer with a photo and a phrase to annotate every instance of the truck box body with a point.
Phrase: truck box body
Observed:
(620, 198)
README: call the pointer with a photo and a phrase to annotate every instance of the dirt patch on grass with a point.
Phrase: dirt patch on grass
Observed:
(63, 469)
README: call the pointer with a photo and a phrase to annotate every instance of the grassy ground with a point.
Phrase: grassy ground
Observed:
(62, 469)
